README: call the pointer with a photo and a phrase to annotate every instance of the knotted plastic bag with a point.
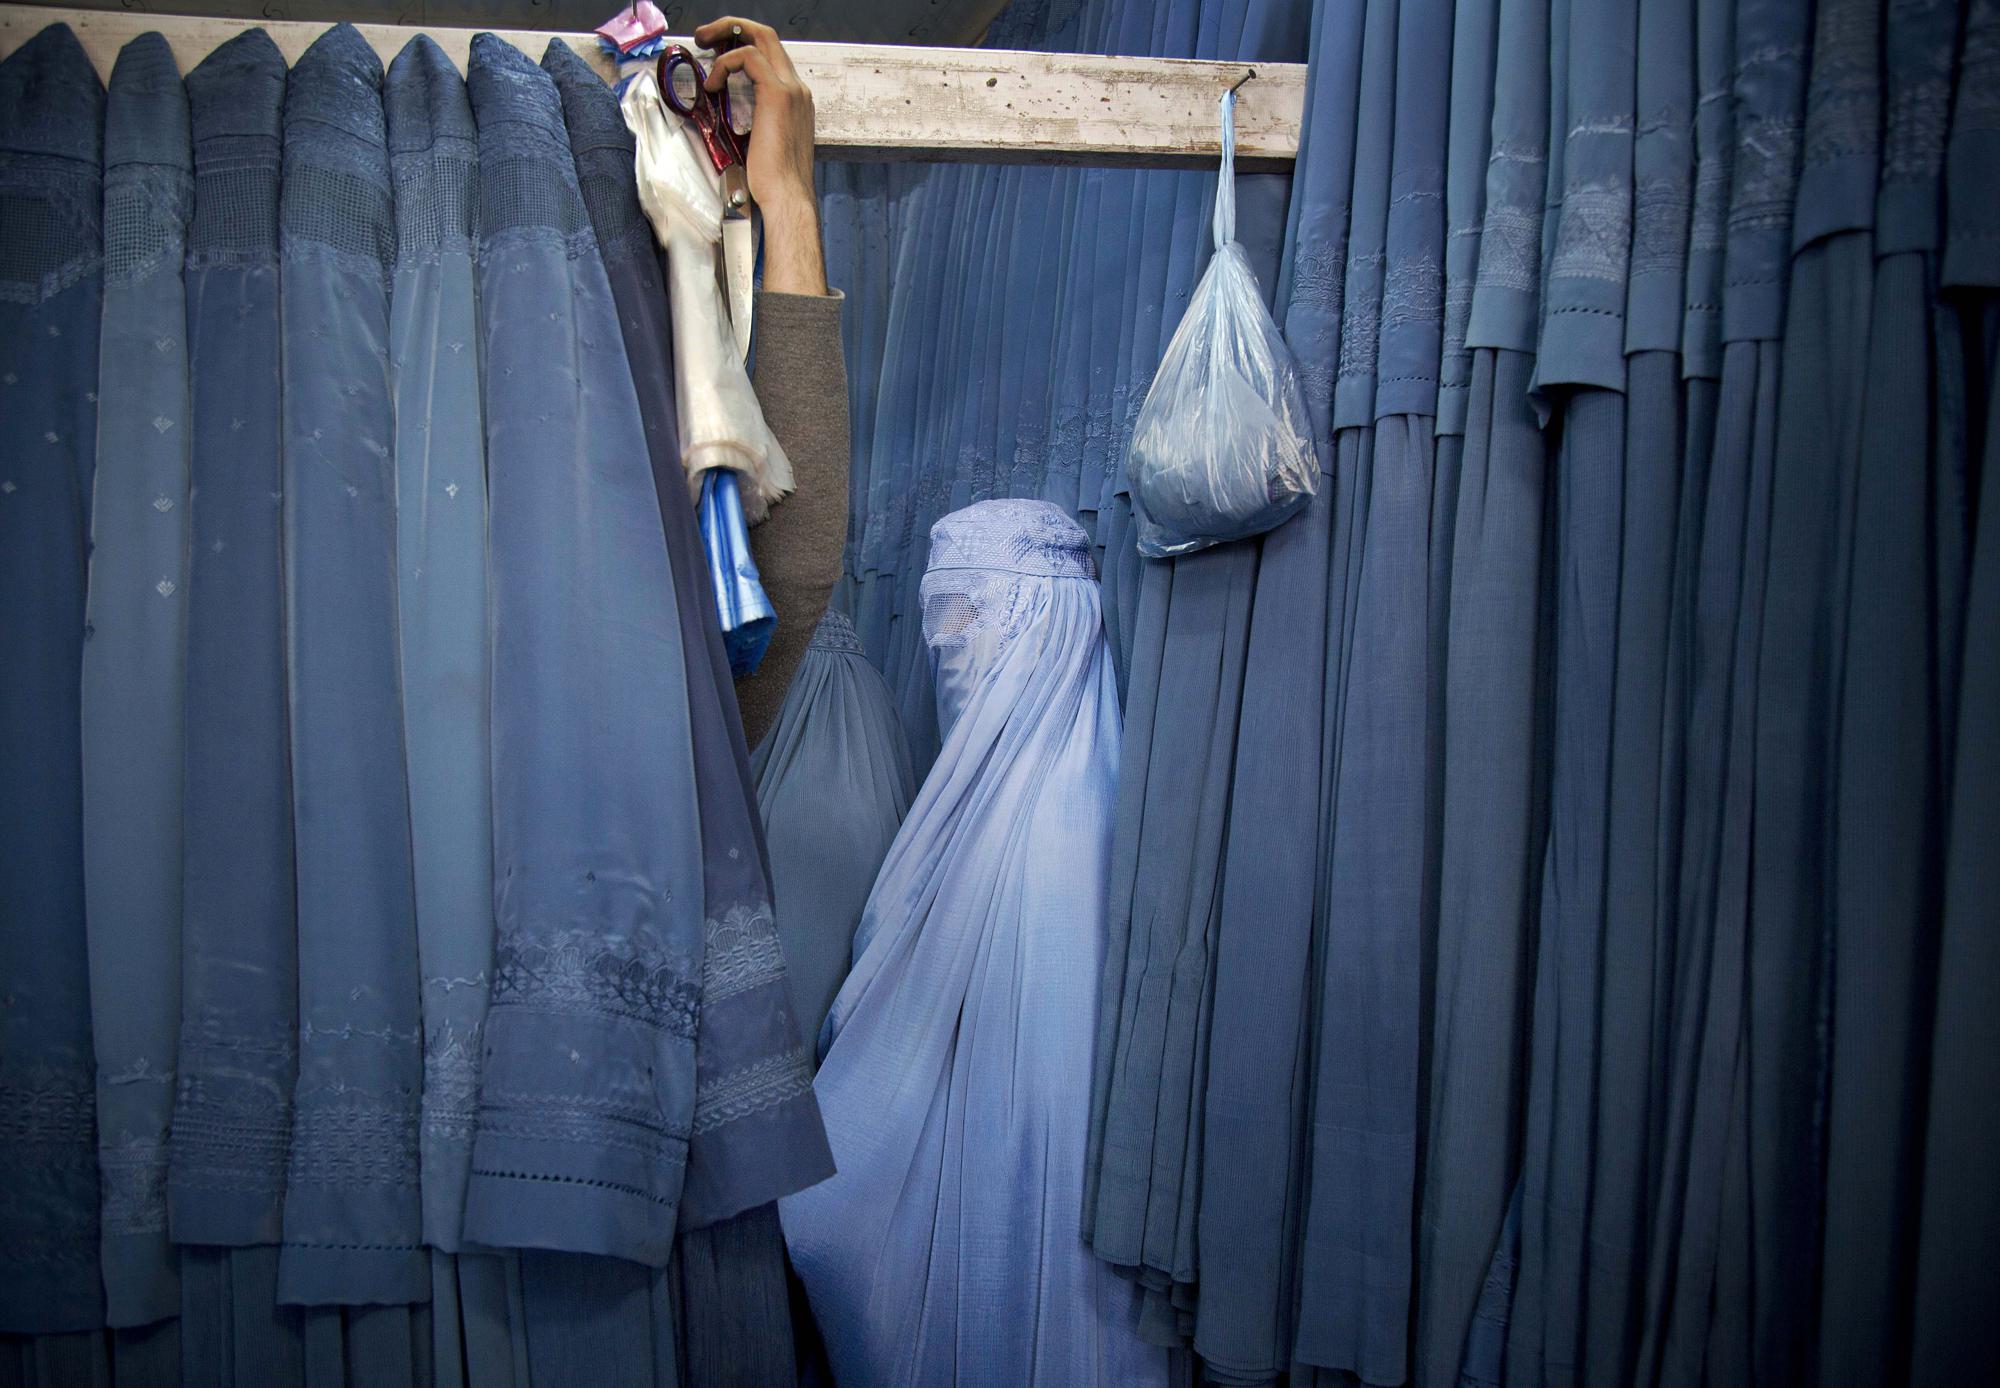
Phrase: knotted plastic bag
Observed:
(1222, 446)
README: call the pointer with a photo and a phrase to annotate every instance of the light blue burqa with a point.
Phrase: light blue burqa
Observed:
(956, 1086)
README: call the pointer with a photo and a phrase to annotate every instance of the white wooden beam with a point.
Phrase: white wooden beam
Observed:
(876, 101)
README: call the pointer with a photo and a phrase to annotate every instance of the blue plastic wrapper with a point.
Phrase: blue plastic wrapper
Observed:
(748, 618)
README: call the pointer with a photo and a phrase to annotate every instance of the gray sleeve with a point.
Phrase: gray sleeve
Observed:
(801, 382)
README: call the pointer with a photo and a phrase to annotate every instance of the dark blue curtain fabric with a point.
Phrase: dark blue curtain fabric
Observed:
(132, 683)
(51, 156)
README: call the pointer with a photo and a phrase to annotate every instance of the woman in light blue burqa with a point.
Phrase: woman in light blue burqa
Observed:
(956, 1084)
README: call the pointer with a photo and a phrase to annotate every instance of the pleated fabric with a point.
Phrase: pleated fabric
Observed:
(945, 1247)
(132, 683)
(833, 784)
(577, 1309)
(1820, 432)
(52, 151)
(352, 1220)
(1253, 1139)
(238, 1050)
(1898, 697)
(1494, 774)
(735, 1322)
(1960, 1219)
(440, 453)
(597, 867)
(1355, 1269)
(1182, 639)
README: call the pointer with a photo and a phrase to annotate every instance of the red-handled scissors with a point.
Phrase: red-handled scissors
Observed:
(683, 86)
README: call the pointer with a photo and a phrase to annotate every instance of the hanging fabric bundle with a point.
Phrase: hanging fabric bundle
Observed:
(239, 1001)
(597, 848)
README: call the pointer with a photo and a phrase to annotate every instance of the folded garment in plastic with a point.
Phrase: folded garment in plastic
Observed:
(1221, 448)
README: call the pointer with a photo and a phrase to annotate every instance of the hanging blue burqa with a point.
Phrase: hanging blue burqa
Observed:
(945, 1248)
(239, 1001)
(833, 785)
(441, 596)
(597, 861)
(723, 1306)
(132, 671)
(1185, 629)
(1254, 1142)
(51, 147)
(352, 1224)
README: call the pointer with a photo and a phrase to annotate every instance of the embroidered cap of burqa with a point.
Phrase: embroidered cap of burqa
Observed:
(954, 1089)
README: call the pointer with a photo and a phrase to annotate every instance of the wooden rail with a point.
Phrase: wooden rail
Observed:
(876, 101)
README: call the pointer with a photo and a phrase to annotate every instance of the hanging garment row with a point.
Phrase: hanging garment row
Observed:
(341, 469)
(1549, 923)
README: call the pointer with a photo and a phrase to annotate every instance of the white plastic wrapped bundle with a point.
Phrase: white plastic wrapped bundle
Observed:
(721, 424)
(1222, 445)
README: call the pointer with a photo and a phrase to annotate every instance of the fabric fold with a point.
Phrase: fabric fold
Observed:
(238, 1050)
(833, 784)
(587, 1085)
(441, 592)
(353, 1230)
(133, 663)
(51, 290)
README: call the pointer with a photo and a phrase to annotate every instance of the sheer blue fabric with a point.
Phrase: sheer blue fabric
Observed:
(833, 784)
(51, 181)
(441, 595)
(352, 1219)
(239, 968)
(944, 1249)
(133, 670)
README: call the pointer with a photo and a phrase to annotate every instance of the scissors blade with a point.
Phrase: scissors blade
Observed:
(739, 256)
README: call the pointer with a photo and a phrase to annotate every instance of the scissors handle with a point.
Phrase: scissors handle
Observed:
(709, 111)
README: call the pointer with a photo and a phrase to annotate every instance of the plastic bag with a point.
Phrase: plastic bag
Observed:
(1222, 445)
(721, 423)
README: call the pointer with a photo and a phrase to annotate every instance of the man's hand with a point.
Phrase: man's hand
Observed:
(779, 163)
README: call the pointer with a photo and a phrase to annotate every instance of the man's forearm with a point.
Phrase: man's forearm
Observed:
(792, 260)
